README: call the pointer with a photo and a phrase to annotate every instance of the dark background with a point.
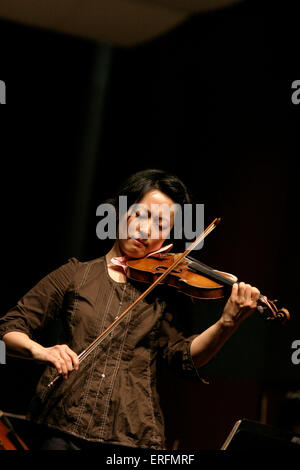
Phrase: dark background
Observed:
(208, 101)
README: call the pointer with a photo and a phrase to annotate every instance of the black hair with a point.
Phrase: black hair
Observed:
(138, 184)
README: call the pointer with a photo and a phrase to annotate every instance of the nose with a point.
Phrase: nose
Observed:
(144, 228)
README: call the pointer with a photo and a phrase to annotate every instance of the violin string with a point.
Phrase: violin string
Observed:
(210, 272)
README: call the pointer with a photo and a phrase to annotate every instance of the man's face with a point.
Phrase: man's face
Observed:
(147, 224)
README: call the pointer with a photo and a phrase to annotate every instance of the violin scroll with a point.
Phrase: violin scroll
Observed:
(281, 314)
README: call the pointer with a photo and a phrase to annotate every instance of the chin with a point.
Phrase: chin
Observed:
(132, 250)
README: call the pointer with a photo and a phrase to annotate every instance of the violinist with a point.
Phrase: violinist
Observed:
(111, 399)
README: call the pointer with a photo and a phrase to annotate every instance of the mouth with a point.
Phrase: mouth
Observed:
(139, 242)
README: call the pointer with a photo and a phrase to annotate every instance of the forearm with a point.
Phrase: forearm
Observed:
(240, 305)
(206, 345)
(19, 342)
(60, 355)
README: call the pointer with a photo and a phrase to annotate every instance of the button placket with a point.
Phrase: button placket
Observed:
(121, 302)
(116, 367)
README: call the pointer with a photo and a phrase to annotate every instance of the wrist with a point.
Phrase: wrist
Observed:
(228, 323)
(32, 347)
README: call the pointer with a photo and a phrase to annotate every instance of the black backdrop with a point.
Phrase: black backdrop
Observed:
(207, 100)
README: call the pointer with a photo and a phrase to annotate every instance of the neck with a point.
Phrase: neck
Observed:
(114, 252)
(114, 271)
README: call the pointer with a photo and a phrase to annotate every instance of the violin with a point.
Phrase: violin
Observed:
(195, 279)
(182, 272)
(9, 439)
(187, 277)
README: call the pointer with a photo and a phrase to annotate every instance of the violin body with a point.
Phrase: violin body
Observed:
(5, 442)
(9, 440)
(183, 278)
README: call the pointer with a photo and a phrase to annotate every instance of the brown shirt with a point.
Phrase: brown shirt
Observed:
(113, 397)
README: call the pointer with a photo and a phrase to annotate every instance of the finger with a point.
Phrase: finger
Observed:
(68, 356)
(73, 356)
(53, 356)
(248, 294)
(241, 291)
(61, 368)
(57, 364)
(255, 293)
(67, 361)
(64, 368)
(234, 291)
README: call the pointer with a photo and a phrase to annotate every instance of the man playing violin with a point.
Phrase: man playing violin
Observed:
(111, 398)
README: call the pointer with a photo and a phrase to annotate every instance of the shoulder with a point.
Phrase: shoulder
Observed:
(74, 268)
(85, 270)
(78, 264)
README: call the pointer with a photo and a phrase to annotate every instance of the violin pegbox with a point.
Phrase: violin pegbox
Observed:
(269, 307)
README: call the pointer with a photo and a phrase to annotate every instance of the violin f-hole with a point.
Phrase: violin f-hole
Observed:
(162, 268)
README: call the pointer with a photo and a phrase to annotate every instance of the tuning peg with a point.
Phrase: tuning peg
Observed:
(260, 309)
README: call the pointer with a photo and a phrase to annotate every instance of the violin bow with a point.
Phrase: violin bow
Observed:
(86, 352)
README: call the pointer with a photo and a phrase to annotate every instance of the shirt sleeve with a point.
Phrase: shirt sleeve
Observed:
(175, 342)
(41, 303)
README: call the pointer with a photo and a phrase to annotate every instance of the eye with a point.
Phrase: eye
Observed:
(138, 213)
(161, 224)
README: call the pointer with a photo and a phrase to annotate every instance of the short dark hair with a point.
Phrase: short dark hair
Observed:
(138, 184)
